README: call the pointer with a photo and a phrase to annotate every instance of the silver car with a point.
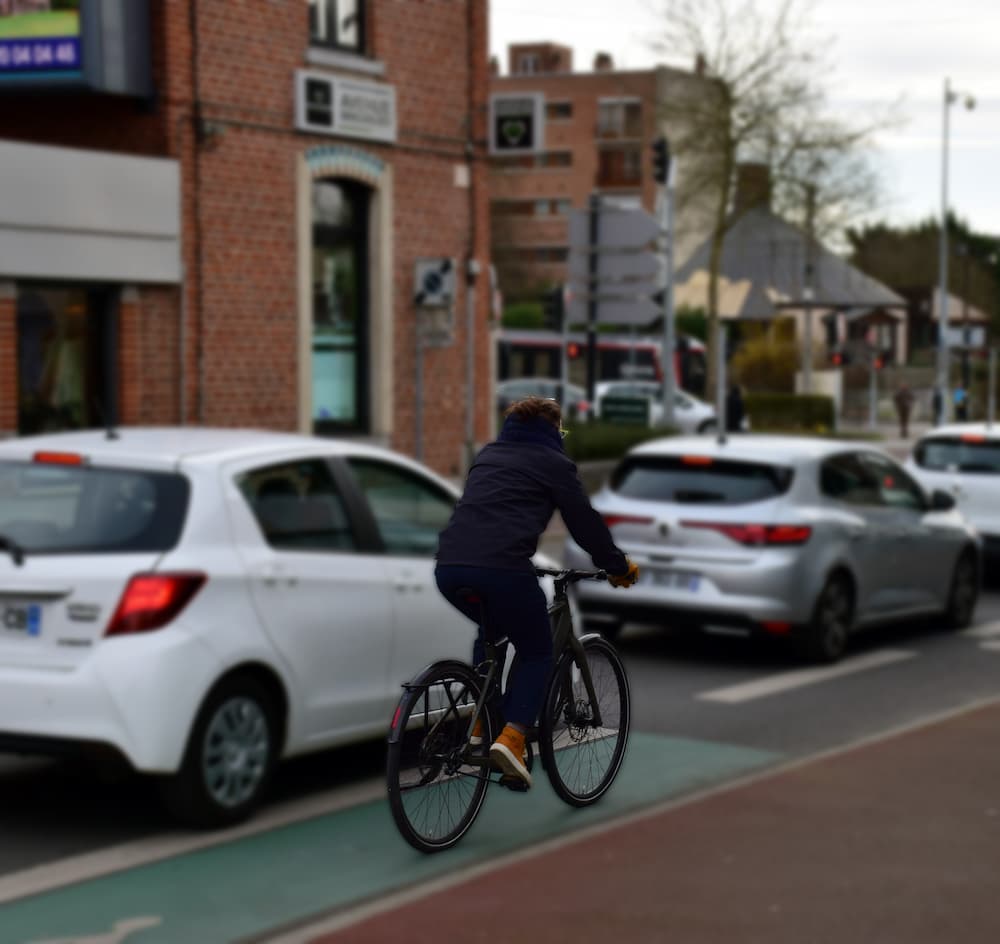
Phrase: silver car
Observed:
(806, 538)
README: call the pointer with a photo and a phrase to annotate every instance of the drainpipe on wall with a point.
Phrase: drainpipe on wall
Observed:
(472, 267)
(196, 119)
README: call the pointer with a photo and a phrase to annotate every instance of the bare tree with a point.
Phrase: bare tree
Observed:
(768, 105)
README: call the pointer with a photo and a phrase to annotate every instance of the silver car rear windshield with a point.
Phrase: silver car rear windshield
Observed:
(699, 479)
(56, 509)
(960, 454)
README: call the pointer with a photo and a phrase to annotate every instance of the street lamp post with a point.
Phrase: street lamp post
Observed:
(950, 97)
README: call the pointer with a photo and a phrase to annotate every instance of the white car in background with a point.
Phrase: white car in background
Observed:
(964, 460)
(204, 602)
(691, 415)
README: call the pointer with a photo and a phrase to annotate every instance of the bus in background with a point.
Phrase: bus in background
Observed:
(619, 357)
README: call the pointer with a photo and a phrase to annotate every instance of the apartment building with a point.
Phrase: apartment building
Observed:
(220, 212)
(588, 132)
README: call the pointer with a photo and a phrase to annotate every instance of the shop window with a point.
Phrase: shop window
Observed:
(66, 356)
(337, 24)
(340, 306)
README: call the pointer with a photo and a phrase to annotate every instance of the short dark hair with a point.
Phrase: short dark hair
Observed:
(531, 407)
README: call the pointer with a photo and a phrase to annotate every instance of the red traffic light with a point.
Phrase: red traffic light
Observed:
(572, 350)
(837, 359)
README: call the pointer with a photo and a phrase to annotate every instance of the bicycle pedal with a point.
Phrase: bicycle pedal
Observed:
(513, 783)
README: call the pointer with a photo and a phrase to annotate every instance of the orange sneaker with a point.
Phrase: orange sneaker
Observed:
(508, 752)
(477, 733)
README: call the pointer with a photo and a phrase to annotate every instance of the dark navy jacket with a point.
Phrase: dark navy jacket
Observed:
(512, 489)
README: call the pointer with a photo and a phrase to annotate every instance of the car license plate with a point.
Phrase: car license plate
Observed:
(21, 618)
(677, 580)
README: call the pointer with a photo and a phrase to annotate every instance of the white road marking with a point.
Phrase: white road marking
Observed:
(797, 678)
(118, 933)
(983, 630)
(129, 855)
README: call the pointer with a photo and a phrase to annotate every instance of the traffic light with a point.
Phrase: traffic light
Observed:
(553, 308)
(572, 350)
(839, 358)
(878, 360)
(661, 160)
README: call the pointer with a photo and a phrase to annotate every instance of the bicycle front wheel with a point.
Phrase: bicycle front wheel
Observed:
(436, 788)
(582, 741)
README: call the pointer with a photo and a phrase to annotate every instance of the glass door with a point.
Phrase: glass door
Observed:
(340, 306)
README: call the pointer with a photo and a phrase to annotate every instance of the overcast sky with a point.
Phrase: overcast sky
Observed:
(881, 51)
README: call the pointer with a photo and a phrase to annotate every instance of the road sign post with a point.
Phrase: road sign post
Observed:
(612, 272)
(663, 168)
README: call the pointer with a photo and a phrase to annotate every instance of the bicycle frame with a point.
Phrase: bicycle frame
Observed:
(564, 638)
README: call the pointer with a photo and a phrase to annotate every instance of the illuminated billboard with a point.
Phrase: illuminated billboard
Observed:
(40, 38)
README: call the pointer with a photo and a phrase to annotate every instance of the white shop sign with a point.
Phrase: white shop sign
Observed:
(351, 108)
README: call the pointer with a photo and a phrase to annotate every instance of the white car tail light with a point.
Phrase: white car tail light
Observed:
(757, 535)
(151, 601)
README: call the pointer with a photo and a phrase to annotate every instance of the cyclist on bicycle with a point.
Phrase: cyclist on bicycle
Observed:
(513, 487)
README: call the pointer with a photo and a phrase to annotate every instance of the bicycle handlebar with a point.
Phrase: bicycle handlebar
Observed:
(567, 576)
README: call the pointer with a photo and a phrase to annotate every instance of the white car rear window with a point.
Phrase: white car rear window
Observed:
(83, 509)
(699, 479)
(960, 454)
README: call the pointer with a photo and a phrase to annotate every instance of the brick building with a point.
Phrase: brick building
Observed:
(232, 238)
(595, 131)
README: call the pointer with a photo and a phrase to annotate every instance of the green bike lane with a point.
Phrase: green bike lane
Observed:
(242, 889)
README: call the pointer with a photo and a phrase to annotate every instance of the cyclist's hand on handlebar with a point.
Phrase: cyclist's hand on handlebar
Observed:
(626, 579)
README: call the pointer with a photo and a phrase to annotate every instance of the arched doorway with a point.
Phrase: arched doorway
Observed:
(341, 331)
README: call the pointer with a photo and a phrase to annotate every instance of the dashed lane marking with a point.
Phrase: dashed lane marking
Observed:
(798, 678)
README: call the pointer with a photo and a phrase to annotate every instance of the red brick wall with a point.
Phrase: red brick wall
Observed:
(239, 211)
(8, 361)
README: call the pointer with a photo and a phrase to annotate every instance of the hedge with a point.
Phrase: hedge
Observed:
(789, 412)
(596, 440)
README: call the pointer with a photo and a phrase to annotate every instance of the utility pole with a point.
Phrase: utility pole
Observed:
(807, 290)
(595, 224)
(663, 174)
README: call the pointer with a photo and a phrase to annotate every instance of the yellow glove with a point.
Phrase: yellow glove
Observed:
(626, 579)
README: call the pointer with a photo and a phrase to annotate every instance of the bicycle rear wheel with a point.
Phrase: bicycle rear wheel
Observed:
(581, 757)
(435, 788)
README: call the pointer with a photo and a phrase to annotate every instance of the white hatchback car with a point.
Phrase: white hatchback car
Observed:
(964, 460)
(206, 601)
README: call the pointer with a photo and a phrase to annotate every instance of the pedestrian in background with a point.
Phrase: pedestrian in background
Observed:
(904, 404)
(961, 404)
(735, 411)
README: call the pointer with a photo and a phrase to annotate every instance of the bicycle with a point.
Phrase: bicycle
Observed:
(437, 777)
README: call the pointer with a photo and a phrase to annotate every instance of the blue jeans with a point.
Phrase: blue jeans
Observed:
(515, 608)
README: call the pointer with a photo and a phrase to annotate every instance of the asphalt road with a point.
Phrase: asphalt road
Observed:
(708, 690)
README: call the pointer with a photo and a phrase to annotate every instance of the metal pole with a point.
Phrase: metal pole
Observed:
(418, 411)
(992, 395)
(471, 271)
(595, 224)
(872, 394)
(807, 292)
(942, 345)
(720, 385)
(564, 356)
(667, 284)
